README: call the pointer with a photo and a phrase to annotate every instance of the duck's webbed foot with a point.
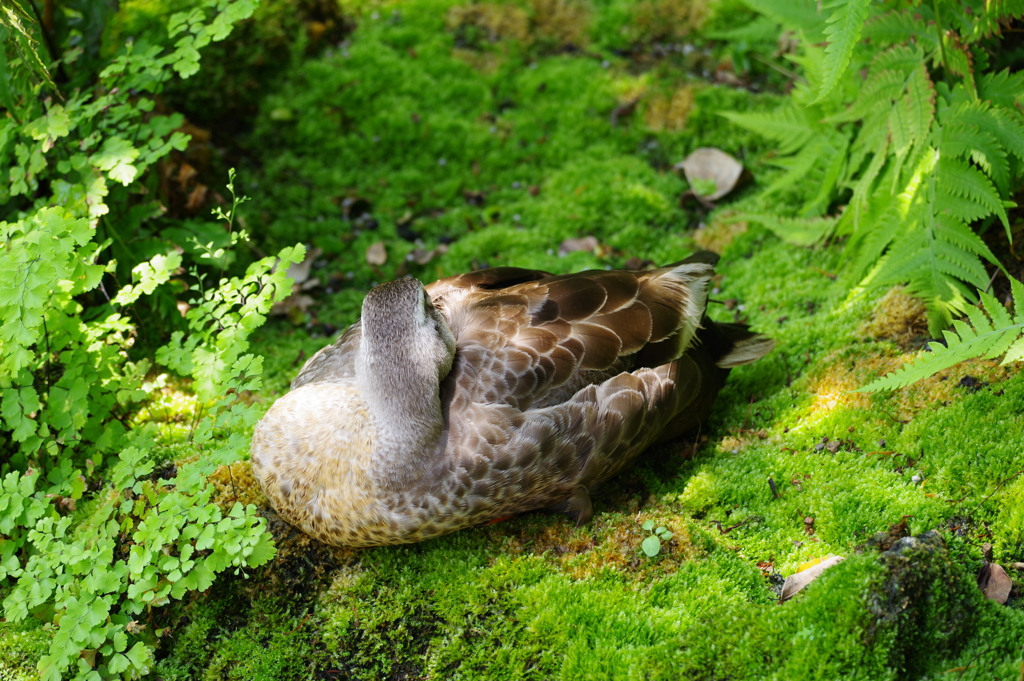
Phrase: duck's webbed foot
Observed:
(577, 507)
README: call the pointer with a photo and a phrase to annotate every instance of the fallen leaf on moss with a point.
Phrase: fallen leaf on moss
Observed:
(587, 243)
(186, 173)
(422, 256)
(809, 572)
(377, 253)
(711, 172)
(294, 307)
(196, 198)
(994, 582)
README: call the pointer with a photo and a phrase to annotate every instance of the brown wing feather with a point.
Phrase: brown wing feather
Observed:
(539, 334)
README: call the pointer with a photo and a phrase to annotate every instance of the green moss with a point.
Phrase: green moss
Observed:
(21, 646)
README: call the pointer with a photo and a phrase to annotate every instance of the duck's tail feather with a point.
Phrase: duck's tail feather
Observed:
(737, 345)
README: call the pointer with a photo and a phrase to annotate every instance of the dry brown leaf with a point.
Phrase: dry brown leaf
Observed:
(196, 198)
(708, 164)
(185, 175)
(587, 243)
(377, 253)
(794, 583)
(294, 307)
(421, 256)
(994, 582)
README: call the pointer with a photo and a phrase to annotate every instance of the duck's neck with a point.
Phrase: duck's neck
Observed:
(405, 405)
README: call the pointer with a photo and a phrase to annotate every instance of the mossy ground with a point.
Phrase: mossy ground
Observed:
(488, 129)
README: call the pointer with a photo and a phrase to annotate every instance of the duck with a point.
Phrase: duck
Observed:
(492, 393)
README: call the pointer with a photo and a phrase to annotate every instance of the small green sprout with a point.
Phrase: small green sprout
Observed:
(652, 544)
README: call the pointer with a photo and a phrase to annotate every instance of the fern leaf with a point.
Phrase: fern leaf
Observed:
(936, 253)
(1010, 132)
(968, 182)
(986, 336)
(844, 27)
(787, 125)
(900, 58)
(862, 189)
(797, 231)
(866, 248)
(836, 157)
(983, 149)
(1002, 88)
(920, 104)
(799, 15)
(898, 27)
(963, 209)
(1016, 351)
(879, 91)
(797, 167)
(960, 62)
(957, 232)
(997, 13)
(1002, 124)
(1000, 316)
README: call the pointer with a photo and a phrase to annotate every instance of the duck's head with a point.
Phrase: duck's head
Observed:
(406, 343)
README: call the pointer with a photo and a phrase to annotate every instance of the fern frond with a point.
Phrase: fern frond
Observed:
(878, 92)
(910, 119)
(997, 13)
(836, 153)
(797, 167)
(1002, 124)
(799, 15)
(867, 246)
(898, 27)
(936, 252)
(797, 231)
(960, 62)
(970, 183)
(963, 209)
(901, 58)
(920, 103)
(788, 125)
(844, 27)
(982, 148)
(1010, 131)
(986, 336)
(1002, 88)
(1016, 351)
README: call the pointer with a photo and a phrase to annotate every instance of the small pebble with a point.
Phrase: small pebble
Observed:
(916, 479)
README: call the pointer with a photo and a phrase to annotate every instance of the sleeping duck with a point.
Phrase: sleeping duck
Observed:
(492, 393)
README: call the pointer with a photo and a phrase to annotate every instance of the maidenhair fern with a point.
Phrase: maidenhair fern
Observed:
(911, 141)
(988, 336)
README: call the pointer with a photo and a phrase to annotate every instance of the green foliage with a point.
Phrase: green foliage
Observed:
(985, 336)
(651, 545)
(924, 150)
(90, 538)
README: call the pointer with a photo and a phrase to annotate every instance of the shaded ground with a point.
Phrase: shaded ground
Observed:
(488, 134)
